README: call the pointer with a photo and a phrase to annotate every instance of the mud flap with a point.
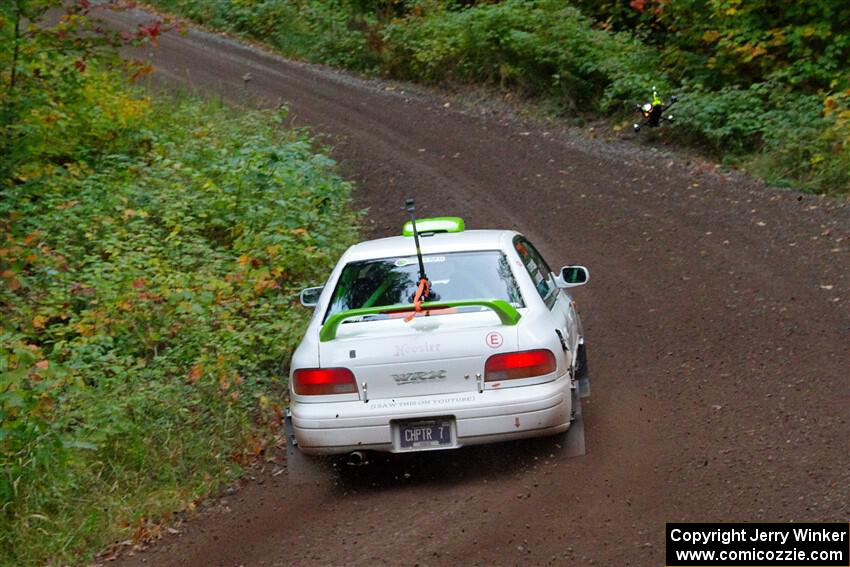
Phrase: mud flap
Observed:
(583, 374)
(572, 442)
(300, 468)
(584, 387)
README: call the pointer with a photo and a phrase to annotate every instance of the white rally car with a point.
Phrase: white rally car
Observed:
(490, 350)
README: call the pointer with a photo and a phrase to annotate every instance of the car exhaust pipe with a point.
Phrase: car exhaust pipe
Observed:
(356, 459)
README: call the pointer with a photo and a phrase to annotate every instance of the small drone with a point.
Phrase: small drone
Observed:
(653, 112)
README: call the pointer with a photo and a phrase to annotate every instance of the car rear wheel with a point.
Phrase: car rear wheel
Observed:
(582, 374)
(571, 442)
(581, 362)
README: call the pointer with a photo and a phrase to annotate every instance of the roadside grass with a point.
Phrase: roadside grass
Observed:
(151, 254)
(755, 103)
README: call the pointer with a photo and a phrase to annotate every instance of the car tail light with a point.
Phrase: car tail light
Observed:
(513, 365)
(324, 381)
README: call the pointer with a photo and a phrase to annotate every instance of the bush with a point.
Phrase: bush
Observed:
(149, 291)
(542, 47)
(753, 81)
(330, 31)
(151, 253)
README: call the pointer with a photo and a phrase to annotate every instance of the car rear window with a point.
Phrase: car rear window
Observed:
(453, 276)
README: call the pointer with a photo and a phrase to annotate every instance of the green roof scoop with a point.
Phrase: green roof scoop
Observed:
(434, 224)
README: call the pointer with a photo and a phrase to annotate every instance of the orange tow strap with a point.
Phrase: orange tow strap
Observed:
(423, 288)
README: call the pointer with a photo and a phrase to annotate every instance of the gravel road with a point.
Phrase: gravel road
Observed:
(718, 324)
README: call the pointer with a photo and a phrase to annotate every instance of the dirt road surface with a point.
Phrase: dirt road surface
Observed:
(717, 318)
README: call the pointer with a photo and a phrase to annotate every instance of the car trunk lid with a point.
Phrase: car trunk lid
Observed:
(438, 354)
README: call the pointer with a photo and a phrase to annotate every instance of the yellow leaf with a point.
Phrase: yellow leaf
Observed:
(710, 36)
(273, 250)
(73, 169)
(39, 321)
(263, 283)
(174, 232)
(68, 205)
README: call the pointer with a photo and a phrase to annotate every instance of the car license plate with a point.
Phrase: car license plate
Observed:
(426, 434)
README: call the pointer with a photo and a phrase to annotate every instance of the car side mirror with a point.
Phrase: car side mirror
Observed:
(572, 276)
(310, 296)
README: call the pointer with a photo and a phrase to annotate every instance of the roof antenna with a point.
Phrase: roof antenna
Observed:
(410, 205)
(423, 290)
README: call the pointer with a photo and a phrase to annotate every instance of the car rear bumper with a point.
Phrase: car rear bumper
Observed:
(487, 417)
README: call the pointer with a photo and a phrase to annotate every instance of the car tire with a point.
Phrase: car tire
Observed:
(571, 443)
(581, 362)
(582, 374)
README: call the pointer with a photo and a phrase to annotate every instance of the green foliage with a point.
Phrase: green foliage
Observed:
(149, 302)
(151, 253)
(542, 47)
(753, 77)
(42, 79)
(782, 136)
(332, 31)
(802, 44)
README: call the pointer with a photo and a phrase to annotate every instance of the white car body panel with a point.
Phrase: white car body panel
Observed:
(389, 354)
(433, 366)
